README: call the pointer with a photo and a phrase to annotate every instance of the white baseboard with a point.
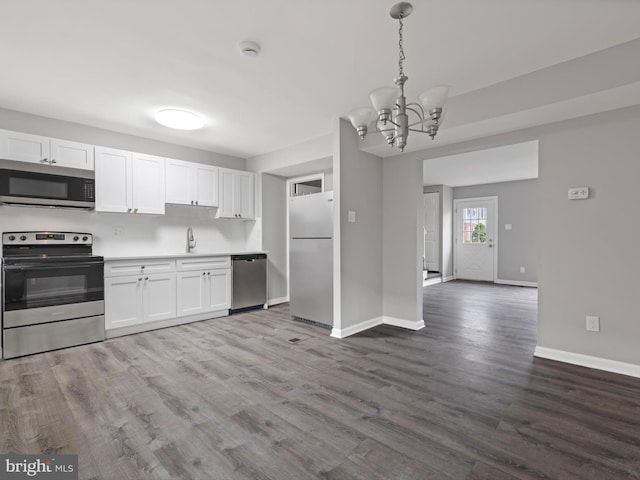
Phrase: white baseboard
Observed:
(431, 281)
(171, 322)
(447, 279)
(357, 328)
(588, 361)
(516, 283)
(277, 301)
(374, 322)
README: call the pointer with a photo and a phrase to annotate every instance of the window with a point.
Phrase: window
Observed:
(474, 225)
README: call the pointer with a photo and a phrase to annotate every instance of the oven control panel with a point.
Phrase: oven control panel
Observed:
(47, 238)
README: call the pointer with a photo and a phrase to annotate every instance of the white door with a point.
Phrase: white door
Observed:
(431, 203)
(113, 180)
(24, 147)
(122, 301)
(219, 290)
(227, 192)
(71, 154)
(178, 178)
(246, 196)
(475, 242)
(191, 292)
(159, 296)
(207, 185)
(148, 184)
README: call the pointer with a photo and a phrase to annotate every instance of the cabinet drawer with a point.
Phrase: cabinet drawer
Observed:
(117, 268)
(203, 263)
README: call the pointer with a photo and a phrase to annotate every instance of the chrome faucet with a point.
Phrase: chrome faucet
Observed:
(191, 243)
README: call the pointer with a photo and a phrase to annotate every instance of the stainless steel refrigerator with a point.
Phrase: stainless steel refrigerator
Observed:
(311, 258)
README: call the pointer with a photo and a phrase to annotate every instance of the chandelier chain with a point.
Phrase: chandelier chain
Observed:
(401, 57)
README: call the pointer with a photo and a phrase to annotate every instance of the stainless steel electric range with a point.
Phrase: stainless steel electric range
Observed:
(52, 292)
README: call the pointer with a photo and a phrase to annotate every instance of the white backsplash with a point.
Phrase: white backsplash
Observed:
(123, 234)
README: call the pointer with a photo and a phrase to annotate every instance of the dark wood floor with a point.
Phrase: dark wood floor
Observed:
(234, 398)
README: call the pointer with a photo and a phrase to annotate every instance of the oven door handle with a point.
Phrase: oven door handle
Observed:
(49, 266)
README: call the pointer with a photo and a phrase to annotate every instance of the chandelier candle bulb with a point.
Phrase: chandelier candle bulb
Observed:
(396, 117)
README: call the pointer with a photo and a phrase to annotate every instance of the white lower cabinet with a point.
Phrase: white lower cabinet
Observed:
(136, 299)
(143, 292)
(204, 285)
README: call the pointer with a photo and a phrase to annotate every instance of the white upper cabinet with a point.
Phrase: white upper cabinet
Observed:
(113, 180)
(148, 184)
(129, 182)
(192, 183)
(71, 154)
(23, 147)
(237, 194)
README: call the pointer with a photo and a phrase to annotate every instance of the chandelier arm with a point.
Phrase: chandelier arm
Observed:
(422, 130)
(415, 104)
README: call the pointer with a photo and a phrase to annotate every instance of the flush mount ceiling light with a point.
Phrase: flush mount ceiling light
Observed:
(179, 119)
(391, 112)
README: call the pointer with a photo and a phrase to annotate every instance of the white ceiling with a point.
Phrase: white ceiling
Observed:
(491, 165)
(111, 64)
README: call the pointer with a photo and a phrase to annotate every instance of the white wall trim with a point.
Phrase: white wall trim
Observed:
(588, 361)
(374, 322)
(447, 278)
(277, 301)
(401, 322)
(431, 281)
(357, 328)
(171, 322)
(517, 283)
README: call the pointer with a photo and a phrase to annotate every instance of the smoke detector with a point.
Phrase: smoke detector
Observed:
(249, 49)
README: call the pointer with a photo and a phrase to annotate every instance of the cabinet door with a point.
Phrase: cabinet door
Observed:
(122, 301)
(159, 297)
(148, 184)
(219, 290)
(113, 180)
(206, 185)
(191, 292)
(245, 196)
(24, 147)
(227, 194)
(71, 154)
(178, 178)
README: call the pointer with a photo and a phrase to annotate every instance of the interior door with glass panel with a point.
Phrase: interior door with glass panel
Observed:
(475, 240)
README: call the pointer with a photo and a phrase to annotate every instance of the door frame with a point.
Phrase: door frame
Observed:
(496, 240)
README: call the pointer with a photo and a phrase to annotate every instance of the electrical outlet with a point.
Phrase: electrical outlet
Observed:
(522, 269)
(117, 231)
(593, 323)
(578, 193)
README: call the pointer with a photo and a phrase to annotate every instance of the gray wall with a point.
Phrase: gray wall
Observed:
(357, 183)
(402, 239)
(588, 261)
(589, 257)
(23, 122)
(517, 205)
(437, 189)
(274, 233)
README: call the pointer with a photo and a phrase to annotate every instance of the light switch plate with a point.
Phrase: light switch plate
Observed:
(593, 323)
(351, 216)
(507, 226)
(578, 193)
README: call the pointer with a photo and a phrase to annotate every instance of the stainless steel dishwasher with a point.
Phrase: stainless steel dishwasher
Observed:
(249, 281)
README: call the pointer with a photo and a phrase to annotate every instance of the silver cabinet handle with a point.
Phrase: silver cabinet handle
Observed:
(191, 202)
(196, 202)
(139, 279)
(135, 210)
(204, 273)
(44, 160)
(142, 267)
(128, 210)
(53, 161)
(146, 278)
(208, 273)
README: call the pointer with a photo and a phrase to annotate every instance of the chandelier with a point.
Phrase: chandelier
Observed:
(390, 108)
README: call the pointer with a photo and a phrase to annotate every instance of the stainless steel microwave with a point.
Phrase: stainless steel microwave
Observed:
(45, 189)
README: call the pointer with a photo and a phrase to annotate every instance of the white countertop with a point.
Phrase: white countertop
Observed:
(180, 255)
